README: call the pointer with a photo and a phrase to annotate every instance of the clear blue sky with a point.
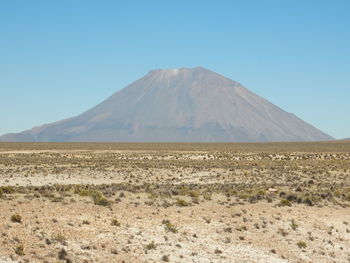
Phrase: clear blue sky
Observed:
(59, 58)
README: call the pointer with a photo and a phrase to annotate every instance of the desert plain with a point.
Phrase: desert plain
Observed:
(179, 202)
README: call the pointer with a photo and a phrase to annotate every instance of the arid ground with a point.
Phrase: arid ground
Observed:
(99, 202)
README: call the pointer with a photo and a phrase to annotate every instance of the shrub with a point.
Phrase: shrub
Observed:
(60, 238)
(207, 195)
(165, 258)
(62, 255)
(96, 196)
(294, 225)
(282, 232)
(308, 202)
(16, 218)
(193, 193)
(165, 221)
(151, 245)
(169, 227)
(207, 220)
(285, 202)
(301, 244)
(115, 222)
(99, 199)
(181, 202)
(19, 250)
(218, 251)
(7, 189)
(85, 193)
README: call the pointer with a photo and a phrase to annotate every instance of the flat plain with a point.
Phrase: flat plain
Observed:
(178, 202)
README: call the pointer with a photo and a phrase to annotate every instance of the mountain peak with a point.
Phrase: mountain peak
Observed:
(182, 70)
(189, 76)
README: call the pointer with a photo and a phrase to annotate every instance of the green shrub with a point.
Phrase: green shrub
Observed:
(181, 202)
(169, 227)
(294, 225)
(151, 245)
(193, 193)
(85, 192)
(301, 244)
(7, 189)
(97, 197)
(16, 218)
(60, 238)
(100, 200)
(19, 250)
(207, 195)
(115, 222)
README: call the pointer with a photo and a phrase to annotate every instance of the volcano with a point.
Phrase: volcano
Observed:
(178, 105)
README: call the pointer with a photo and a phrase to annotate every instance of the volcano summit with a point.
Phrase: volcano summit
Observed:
(178, 105)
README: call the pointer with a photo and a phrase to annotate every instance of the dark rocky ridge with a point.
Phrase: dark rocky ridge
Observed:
(179, 105)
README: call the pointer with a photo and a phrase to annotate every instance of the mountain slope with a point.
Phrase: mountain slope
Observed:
(187, 105)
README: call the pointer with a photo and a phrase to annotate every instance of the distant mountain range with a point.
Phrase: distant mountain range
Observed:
(178, 105)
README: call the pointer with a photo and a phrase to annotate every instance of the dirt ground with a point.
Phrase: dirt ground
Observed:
(175, 202)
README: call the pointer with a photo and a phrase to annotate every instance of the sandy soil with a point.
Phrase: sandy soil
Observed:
(151, 205)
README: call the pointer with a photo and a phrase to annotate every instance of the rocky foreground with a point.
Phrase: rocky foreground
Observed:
(175, 203)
